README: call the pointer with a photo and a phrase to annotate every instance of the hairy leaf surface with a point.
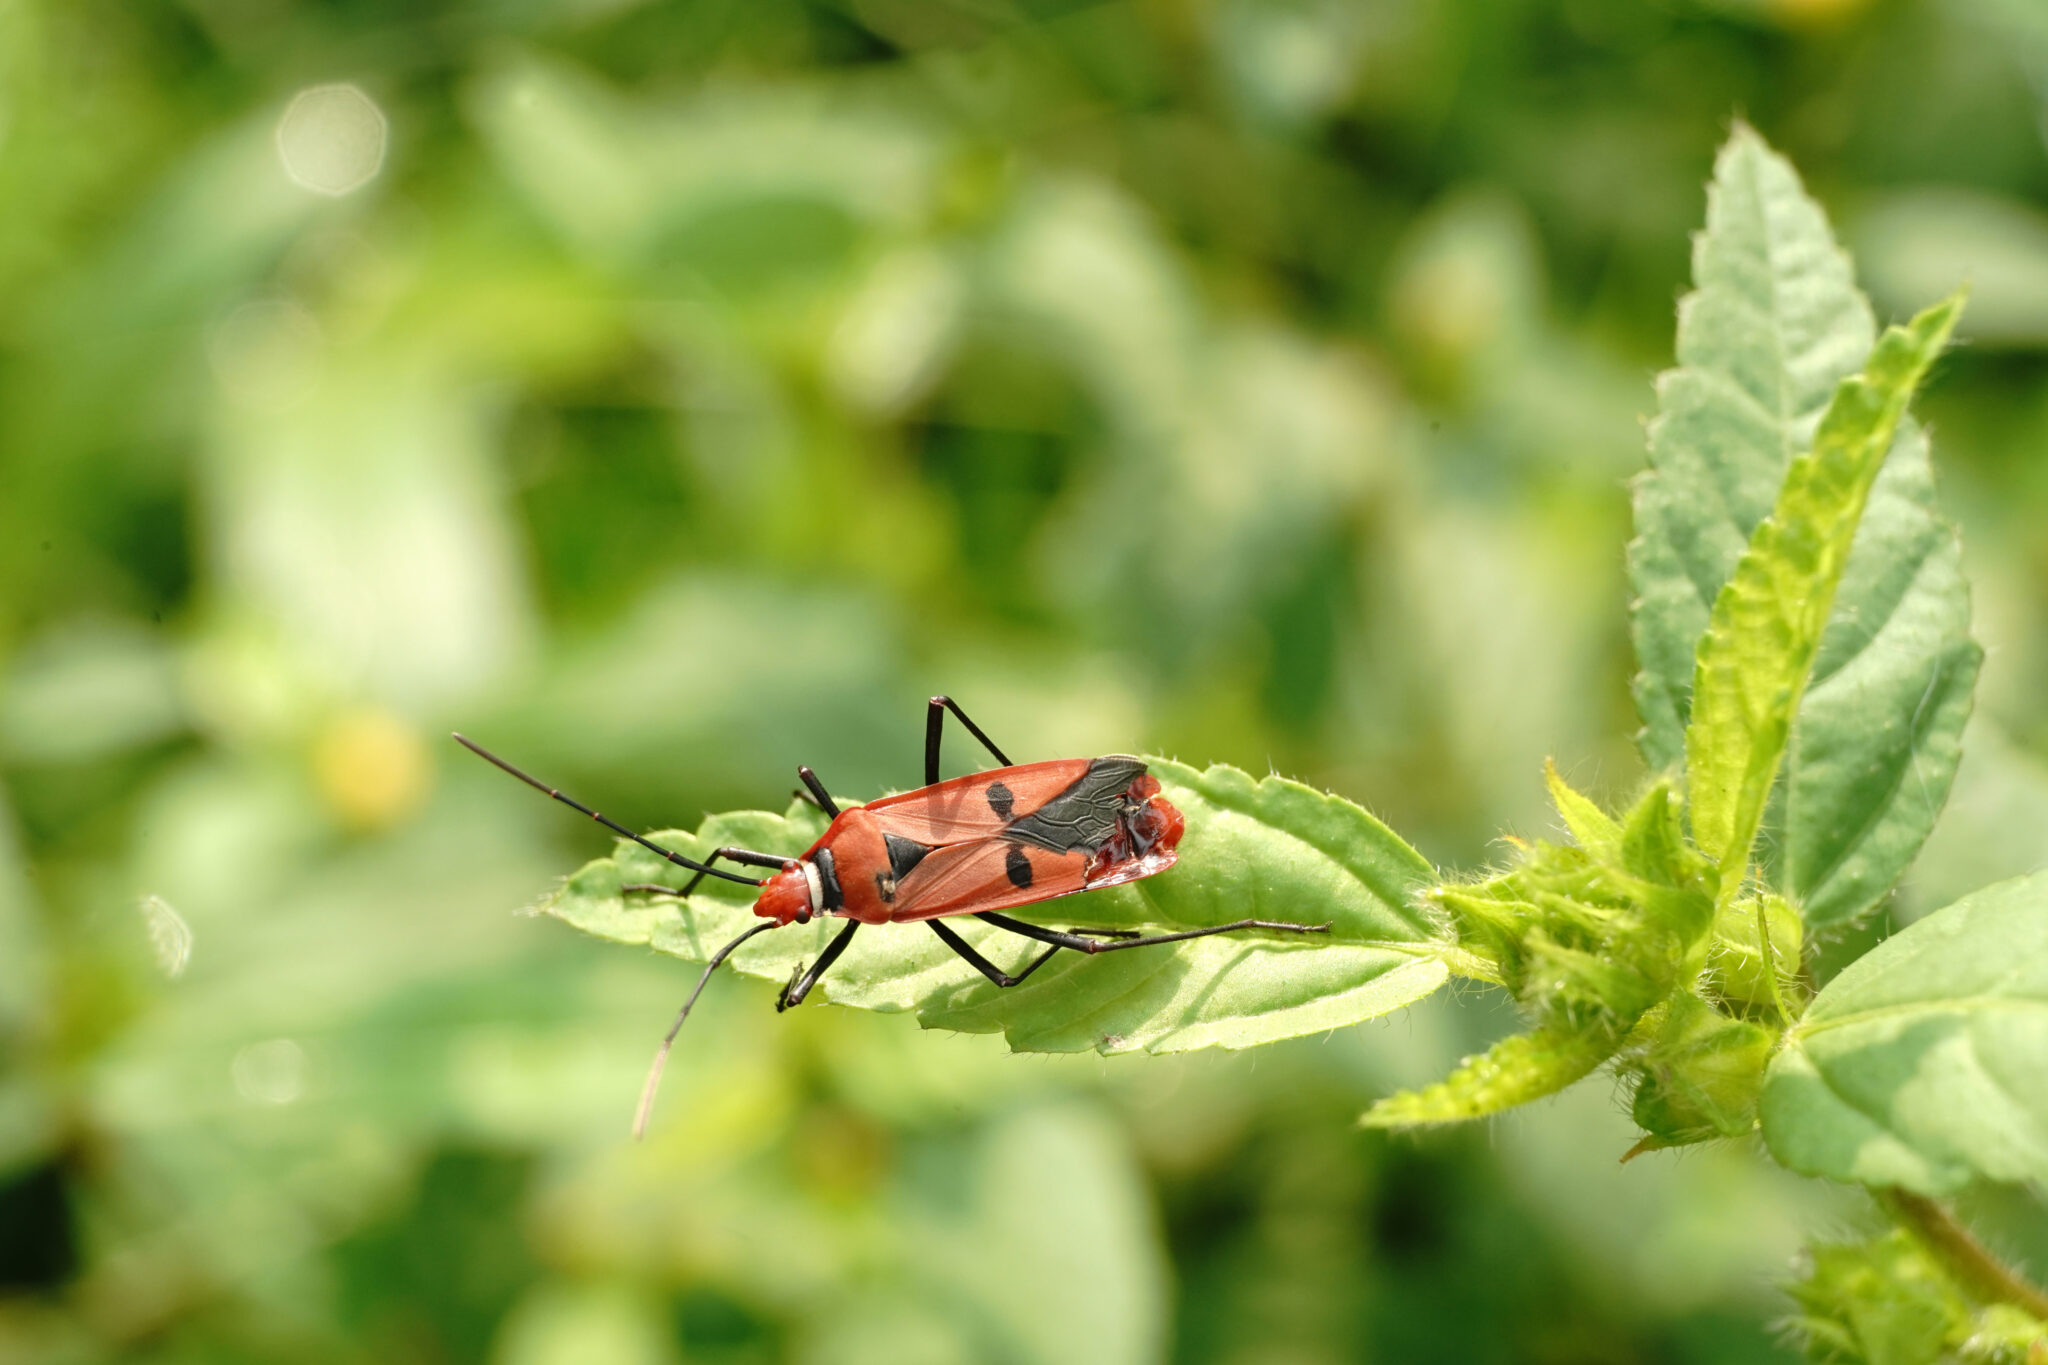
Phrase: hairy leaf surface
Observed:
(1775, 322)
(1879, 734)
(1589, 940)
(1765, 632)
(1266, 849)
(1885, 1301)
(1519, 1068)
(1925, 1063)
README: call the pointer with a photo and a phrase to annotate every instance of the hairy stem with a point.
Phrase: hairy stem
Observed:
(1770, 956)
(1983, 1274)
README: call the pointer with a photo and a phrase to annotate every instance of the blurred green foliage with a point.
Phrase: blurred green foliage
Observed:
(673, 393)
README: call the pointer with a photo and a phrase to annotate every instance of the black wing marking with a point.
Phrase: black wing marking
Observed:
(904, 854)
(1084, 816)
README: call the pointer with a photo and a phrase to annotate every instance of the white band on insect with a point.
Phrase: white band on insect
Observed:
(817, 890)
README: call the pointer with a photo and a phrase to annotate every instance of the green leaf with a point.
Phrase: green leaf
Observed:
(1653, 849)
(2005, 1335)
(1925, 1063)
(1879, 735)
(1268, 849)
(1892, 1300)
(1589, 939)
(1880, 1302)
(1516, 1070)
(1775, 322)
(1700, 1075)
(1765, 632)
(1736, 969)
(1593, 829)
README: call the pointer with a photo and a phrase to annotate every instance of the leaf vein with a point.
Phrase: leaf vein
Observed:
(1926, 550)
(1922, 722)
(1959, 1005)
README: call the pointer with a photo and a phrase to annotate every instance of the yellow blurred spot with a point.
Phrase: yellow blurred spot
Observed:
(372, 767)
(1451, 305)
(1467, 277)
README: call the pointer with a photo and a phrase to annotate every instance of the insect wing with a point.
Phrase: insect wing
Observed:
(1087, 815)
(1106, 872)
(978, 806)
(988, 874)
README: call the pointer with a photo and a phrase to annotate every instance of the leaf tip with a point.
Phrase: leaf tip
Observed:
(1649, 1142)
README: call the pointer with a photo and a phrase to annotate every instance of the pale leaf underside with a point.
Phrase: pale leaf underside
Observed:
(1270, 849)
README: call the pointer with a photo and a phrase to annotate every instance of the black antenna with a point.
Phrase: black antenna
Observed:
(678, 859)
(661, 1056)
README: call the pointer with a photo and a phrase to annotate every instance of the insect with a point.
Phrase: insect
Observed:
(976, 845)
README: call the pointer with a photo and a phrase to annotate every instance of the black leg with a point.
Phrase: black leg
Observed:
(1080, 944)
(982, 964)
(614, 826)
(997, 974)
(737, 855)
(801, 982)
(935, 722)
(821, 798)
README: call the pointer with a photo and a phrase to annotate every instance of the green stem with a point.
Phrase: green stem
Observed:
(1981, 1273)
(1770, 956)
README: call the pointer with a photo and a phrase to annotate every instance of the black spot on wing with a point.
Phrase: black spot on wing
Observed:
(1083, 816)
(904, 854)
(1018, 866)
(1001, 800)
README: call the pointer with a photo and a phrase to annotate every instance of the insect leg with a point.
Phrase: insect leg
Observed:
(800, 986)
(819, 797)
(737, 855)
(982, 964)
(935, 722)
(1090, 945)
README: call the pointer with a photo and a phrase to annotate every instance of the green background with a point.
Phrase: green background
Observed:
(692, 390)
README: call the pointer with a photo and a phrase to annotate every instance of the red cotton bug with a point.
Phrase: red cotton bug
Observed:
(1010, 836)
